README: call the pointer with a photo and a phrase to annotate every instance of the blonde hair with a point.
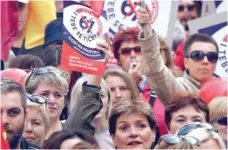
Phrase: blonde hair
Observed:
(131, 85)
(78, 88)
(183, 144)
(218, 107)
(44, 115)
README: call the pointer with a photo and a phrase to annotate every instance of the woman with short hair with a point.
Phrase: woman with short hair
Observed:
(185, 108)
(37, 121)
(51, 83)
(132, 125)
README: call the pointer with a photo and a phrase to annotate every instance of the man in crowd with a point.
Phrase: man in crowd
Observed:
(13, 111)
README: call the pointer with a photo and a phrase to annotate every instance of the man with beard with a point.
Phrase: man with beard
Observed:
(13, 111)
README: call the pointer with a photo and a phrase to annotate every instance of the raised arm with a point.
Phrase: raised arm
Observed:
(159, 76)
(89, 102)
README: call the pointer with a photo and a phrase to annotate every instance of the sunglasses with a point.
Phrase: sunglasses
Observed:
(189, 127)
(38, 100)
(127, 50)
(45, 70)
(222, 120)
(189, 7)
(198, 55)
(173, 139)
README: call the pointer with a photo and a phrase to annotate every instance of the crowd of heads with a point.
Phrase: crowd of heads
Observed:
(38, 95)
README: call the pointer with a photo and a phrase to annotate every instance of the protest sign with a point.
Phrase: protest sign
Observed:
(216, 26)
(213, 6)
(81, 30)
(122, 14)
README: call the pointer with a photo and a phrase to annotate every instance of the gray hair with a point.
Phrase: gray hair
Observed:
(9, 86)
(54, 77)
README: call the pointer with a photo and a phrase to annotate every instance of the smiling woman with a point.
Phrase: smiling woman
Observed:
(132, 125)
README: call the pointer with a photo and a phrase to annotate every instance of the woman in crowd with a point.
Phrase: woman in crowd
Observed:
(37, 121)
(132, 125)
(68, 139)
(26, 62)
(101, 119)
(51, 56)
(185, 108)
(121, 85)
(218, 115)
(51, 83)
(205, 133)
(170, 141)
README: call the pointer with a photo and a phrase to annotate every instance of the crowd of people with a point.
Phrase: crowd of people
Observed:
(151, 101)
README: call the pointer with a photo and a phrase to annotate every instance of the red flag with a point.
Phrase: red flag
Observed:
(97, 7)
(9, 22)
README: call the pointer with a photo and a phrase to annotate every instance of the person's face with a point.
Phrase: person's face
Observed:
(22, 16)
(55, 98)
(186, 11)
(222, 129)
(118, 88)
(34, 130)
(70, 143)
(133, 132)
(185, 116)
(201, 71)
(12, 117)
(209, 144)
(132, 56)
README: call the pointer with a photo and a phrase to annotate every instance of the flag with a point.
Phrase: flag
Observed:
(9, 21)
(97, 7)
(40, 14)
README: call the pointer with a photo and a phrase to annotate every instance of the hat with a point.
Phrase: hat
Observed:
(53, 32)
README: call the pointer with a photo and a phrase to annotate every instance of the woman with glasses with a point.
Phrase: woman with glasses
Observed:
(37, 121)
(200, 52)
(218, 115)
(205, 133)
(51, 83)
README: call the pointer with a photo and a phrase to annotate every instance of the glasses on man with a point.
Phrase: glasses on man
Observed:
(44, 70)
(189, 7)
(198, 55)
(189, 127)
(222, 120)
(127, 50)
(173, 139)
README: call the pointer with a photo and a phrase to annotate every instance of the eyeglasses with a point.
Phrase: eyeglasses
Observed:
(189, 127)
(127, 50)
(222, 120)
(190, 7)
(198, 55)
(44, 70)
(173, 139)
